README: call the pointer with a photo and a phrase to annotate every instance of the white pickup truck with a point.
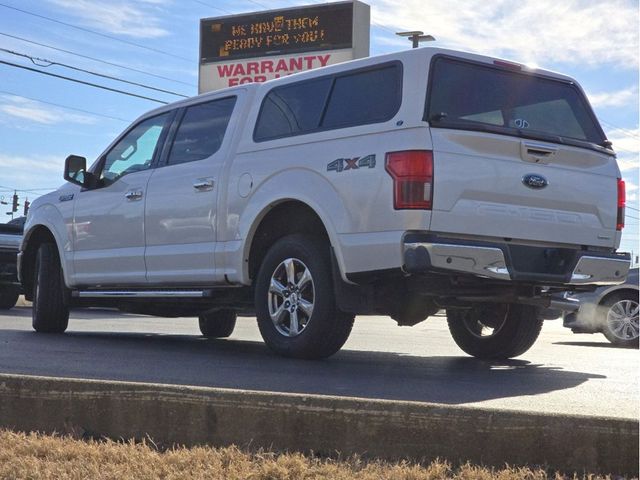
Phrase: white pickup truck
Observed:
(394, 185)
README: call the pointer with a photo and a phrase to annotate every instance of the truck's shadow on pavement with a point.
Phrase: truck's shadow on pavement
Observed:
(603, 344)
(192, 360)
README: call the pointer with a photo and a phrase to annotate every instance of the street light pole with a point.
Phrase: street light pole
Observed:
(416, 37)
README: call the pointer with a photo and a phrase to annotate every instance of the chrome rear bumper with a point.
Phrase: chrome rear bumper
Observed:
(490, 261)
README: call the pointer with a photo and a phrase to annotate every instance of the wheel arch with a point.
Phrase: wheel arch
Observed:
(36, 236)
(305, 191)
(275, 222)
(618, 291)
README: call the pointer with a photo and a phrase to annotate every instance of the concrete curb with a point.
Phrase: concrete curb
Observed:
(325, 425)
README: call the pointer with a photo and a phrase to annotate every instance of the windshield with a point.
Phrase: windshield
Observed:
(477, 96)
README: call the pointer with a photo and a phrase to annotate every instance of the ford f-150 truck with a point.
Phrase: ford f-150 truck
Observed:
(394, 185)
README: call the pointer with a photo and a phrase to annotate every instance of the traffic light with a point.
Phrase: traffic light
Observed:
(14, 207)
(26, 207)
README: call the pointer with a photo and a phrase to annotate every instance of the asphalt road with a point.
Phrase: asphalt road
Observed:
(562, 373)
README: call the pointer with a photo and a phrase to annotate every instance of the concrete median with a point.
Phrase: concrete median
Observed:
(326, 425)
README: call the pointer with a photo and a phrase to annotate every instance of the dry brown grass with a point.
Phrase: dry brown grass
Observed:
(40, 457)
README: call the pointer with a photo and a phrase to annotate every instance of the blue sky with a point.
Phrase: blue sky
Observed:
(593, 41)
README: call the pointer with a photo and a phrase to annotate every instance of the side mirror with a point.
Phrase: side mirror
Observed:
(75, 170)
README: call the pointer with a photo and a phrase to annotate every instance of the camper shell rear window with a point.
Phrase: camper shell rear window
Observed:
(469, 95)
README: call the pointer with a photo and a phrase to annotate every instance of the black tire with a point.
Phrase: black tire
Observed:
(516, 328)
(613, 306)
(326, 329)
(50, 312)
(8, 299)
(218, 324)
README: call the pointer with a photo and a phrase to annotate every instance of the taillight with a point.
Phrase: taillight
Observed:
(412, 173)
(622, 200)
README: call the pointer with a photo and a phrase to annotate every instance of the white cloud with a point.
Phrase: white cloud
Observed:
(43, 163)
(134, 19)
(31, 172)
(578, 32)
(25, 109)
(617, 98)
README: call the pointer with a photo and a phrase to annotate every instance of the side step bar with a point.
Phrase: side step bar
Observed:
(142, 294)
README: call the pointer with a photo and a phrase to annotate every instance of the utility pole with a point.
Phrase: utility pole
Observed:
(415, 37)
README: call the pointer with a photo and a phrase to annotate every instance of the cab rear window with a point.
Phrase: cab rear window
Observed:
(476, 96)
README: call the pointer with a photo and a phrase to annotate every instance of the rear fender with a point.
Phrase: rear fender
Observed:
(317, 193)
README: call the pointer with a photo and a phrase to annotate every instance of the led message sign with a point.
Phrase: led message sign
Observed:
(325, 27)
(260, 46)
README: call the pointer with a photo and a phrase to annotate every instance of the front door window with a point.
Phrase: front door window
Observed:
(135, 151)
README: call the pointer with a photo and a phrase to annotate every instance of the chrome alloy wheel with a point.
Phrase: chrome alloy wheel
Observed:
(622, 319)
(291, 297)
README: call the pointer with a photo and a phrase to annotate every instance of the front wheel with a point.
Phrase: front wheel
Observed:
(620, 322)
(294, 299)
(495, 331)
(50, 313)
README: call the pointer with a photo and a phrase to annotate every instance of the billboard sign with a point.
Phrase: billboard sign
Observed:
(264, 45)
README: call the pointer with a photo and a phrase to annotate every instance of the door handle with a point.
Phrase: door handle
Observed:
(203, 184)
(133, 195)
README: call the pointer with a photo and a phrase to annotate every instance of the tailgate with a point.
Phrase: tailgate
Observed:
(491, 185)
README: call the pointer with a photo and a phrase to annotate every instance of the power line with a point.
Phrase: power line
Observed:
(620, 149)
(90, 72)
(373, 22)
(67, 107)
(83, 82)
(27, 191)
(96, 59)
(258, 3)
(211, 6)
(227, 11)
(111, 37)
(629, 133)
(379, 25)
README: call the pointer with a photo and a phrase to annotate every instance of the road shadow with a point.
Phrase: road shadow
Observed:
(193, 360)
(76, 313)
(604, 344)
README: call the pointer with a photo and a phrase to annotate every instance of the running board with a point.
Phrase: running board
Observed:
(141, 294)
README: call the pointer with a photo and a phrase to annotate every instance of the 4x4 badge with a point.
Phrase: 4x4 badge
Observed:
(342, 164)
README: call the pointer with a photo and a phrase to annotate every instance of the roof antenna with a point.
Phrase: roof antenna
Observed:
(416, 37)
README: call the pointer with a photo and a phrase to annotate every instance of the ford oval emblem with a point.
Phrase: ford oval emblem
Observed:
(535, 181)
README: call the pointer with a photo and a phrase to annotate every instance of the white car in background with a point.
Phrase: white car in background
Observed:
(611, 310)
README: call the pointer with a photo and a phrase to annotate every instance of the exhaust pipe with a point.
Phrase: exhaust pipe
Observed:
(564, 304)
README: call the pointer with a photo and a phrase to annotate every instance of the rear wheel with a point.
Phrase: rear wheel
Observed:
(50, 313)
(620, 322)
(495, 331)
(218, 324)
(8, 299)
(294, 299)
